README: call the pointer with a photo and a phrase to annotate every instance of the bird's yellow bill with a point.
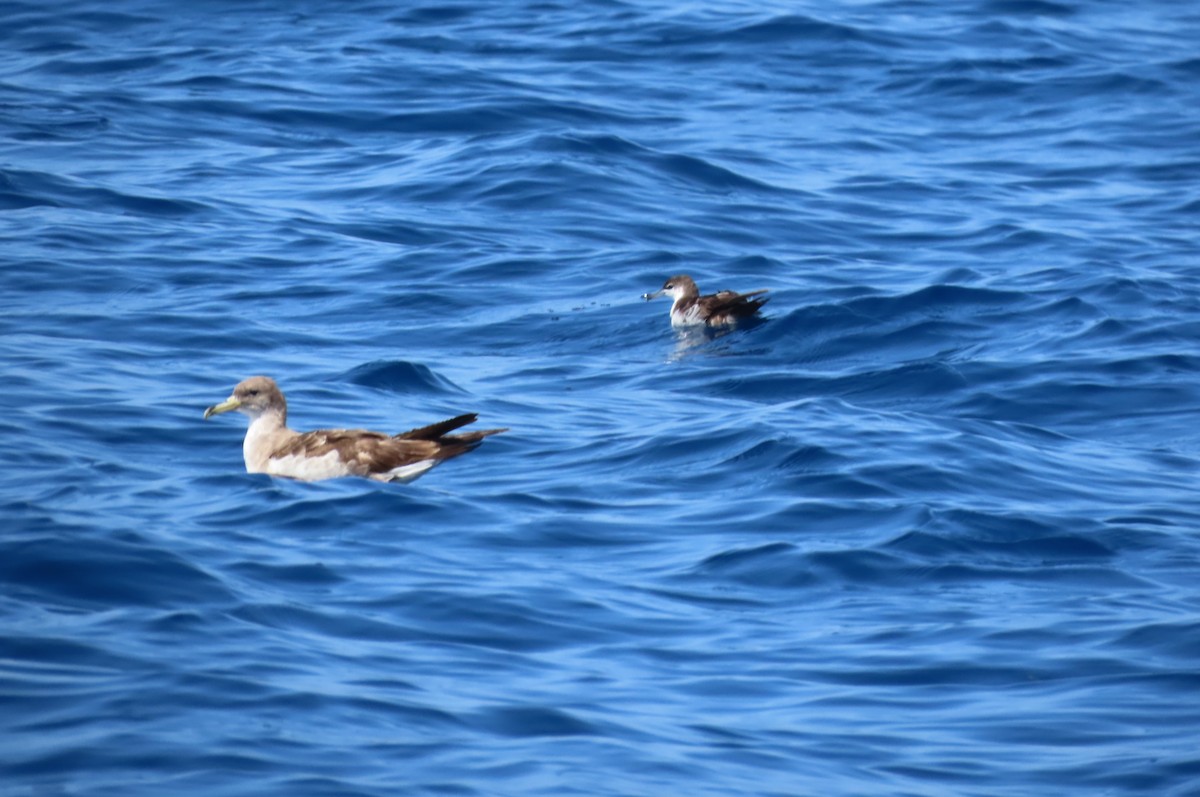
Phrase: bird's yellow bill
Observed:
(228, 405)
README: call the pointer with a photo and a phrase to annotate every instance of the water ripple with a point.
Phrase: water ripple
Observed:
(926, 528)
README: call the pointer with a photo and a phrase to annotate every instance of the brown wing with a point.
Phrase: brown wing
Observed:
(435, 430)
(364, 453)
(361, 452)
(722, 306)
(438, 433)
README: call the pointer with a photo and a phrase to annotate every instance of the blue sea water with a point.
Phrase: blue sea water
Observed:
(932, 528)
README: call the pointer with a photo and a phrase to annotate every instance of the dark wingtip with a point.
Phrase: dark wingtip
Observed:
(436, 430)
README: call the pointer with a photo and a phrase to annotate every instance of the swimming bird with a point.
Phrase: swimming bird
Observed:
(723, 308)
(271, 447)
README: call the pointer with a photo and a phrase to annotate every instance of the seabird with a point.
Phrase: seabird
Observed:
(717, 309)
(271, 447)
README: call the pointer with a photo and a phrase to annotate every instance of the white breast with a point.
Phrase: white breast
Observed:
(687, 318)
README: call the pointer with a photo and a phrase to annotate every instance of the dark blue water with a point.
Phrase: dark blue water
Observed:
(933, 528)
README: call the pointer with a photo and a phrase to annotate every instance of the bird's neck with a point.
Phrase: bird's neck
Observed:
(684, 299)
(265, 434)
(682, 304)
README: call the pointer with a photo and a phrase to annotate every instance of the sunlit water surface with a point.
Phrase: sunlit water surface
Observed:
(929, 529)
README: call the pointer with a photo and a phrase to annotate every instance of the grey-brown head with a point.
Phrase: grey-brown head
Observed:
(254, 397)
(676, 287)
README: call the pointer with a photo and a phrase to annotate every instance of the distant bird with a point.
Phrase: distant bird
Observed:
(717, 309)
(271, 447)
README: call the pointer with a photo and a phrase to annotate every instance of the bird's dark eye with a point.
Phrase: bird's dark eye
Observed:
(251, 392)
(668, 286)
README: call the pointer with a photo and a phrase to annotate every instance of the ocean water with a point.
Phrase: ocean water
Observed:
(931, 528)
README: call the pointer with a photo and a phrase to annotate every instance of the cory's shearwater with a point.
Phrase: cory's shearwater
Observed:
(271, 447)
